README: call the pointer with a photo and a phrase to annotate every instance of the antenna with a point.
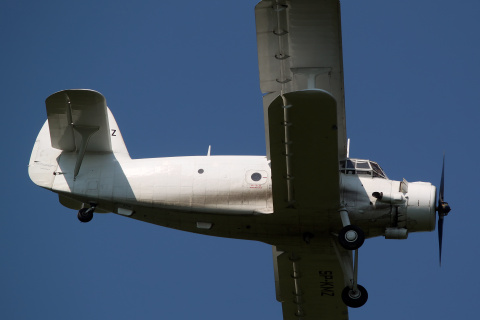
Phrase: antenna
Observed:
(208, 152)
(348, 148)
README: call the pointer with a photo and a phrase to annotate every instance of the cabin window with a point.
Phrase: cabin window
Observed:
(256, 176)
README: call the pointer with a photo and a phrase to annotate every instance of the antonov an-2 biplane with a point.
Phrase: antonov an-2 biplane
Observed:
(306, 197)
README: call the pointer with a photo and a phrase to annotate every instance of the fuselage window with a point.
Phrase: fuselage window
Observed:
(256, 176)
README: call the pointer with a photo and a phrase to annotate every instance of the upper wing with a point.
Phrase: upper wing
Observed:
(300, 47)
(78, 118)
(309, 282)
(301, 72)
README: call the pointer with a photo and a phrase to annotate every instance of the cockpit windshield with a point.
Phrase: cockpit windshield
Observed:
(362, 167)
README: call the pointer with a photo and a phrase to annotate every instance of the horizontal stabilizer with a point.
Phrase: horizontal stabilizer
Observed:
(78, 119)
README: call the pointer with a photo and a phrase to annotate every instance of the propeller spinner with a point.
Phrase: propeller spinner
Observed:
(443, 209)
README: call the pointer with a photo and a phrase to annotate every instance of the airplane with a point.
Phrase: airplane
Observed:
(307, 198)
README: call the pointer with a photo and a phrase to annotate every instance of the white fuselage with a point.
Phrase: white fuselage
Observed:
(228, 196)
(213, 184)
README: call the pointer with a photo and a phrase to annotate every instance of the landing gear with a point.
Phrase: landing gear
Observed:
(355, 298)
(351, 237)
(85, 214)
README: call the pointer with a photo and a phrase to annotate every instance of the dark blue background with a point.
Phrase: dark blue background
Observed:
(180, 75)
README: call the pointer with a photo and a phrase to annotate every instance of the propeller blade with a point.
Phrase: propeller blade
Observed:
(440, 237)
(443, 209)
(442, 182)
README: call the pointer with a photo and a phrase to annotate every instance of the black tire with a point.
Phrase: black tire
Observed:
(85, 214)
(355, 299)
(350, 244)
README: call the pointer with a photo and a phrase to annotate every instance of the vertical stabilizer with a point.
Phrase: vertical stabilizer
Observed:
(43, 161)
(117, 143)
(79, 124)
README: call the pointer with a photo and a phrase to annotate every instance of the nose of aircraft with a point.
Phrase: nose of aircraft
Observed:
(421, 206)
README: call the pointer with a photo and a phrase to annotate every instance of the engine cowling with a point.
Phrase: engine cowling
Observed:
(421, 203)
(413, 209)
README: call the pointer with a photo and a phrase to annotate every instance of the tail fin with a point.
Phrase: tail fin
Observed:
(78, 121)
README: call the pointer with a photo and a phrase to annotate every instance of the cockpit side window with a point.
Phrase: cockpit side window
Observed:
(377, 171)
(347, 166)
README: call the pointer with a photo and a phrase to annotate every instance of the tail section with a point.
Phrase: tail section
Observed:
(79, 122)
(80, 119)
(44, 159)
(116, 139)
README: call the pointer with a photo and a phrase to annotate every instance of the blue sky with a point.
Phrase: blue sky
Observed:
(180, 75)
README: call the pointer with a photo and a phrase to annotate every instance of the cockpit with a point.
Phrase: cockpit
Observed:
(362, 167)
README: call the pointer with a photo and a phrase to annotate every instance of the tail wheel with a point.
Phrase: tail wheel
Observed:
(85, 214)
(351, 237)
(355, 299)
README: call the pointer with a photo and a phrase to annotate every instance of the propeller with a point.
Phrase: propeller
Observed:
(443, 209)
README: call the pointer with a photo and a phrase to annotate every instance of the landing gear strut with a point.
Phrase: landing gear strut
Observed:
(351, 238)
(85, 214)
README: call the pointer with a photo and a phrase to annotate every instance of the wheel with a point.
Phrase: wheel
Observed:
(355, 299)
(351, 237)
(85, 214)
